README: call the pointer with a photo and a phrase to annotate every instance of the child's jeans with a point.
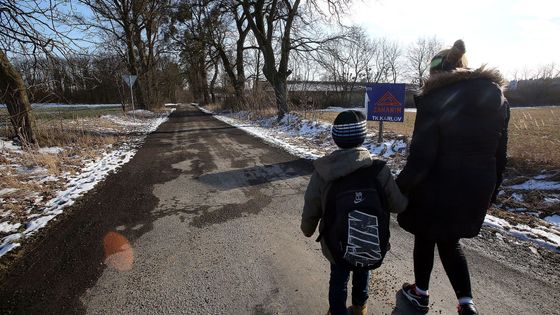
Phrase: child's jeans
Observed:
(338, 288)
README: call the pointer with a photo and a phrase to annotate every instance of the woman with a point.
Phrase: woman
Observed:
(457, 156)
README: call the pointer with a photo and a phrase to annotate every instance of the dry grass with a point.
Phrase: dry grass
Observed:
(74, 133)
(534, 136)
(81, 138)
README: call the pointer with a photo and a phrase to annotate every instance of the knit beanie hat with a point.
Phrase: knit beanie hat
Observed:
(449, 59)
(349, 129)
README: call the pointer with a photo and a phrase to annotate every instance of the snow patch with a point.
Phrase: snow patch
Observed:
(142, 113)
(293, 134)
(7, 227)
(9, 146)
(268, 136)
(6, 191)
(517, 197)
(51, 150)
(541, 235)
(553, 219)
(9, 242)
(534, 184)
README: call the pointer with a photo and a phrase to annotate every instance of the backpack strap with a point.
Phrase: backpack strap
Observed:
(377, 166)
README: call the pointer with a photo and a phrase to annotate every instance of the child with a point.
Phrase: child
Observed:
(348, 132)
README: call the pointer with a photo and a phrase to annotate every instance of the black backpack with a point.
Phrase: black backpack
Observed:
(356, 219)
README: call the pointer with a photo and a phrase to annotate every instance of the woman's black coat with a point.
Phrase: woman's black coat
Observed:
(457, 154)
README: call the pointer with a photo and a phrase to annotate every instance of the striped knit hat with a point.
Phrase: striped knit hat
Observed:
(349, 129)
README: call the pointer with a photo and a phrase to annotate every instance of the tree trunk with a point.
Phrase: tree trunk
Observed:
(239, 87)
(14, 93)
(139, 97)
(213, 82)
(281, 93)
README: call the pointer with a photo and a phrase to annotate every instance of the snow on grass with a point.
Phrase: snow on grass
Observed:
(7, 227)
(268, 136)
(517, 197)
(553, 219)
(142, 113)
(91, 174)
(9, 242)
(7, 191)
(541, 235)
(303, 138)
(552, 199)
(51, 150)
(9, 146)
(535, 184)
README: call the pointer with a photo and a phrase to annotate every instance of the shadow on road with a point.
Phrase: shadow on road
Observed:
(257, 175)
(403, 306)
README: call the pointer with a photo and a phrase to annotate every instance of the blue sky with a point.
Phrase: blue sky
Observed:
(507, 34)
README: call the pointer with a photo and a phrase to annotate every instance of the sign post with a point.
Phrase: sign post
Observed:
(129, 79)
(385, 102)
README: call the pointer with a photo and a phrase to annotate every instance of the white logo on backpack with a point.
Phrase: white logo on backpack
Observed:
(358, 197)
(363, 239)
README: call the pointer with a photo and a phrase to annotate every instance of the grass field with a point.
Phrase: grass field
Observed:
(534, 135)
(61, 126)
(67, 113)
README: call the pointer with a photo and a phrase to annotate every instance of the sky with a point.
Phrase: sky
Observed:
(507, 34)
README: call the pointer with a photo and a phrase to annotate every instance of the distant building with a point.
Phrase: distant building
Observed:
(322, 94)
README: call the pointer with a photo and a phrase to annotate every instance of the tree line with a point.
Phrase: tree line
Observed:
(77, 51)
(90, 79)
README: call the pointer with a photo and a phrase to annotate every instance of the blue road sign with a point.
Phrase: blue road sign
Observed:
(385, 102)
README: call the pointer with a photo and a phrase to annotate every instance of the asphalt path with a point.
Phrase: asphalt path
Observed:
(205, 220)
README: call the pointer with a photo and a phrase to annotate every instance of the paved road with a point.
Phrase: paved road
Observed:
(211, 216)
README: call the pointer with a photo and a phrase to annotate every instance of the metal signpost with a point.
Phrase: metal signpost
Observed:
(129, 79)
(385, 102)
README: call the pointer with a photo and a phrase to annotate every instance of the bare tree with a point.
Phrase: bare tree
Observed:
(356, 57)
(547, 71)
(190, 35)
(392, 55)
(28, 28)
(419, 56)
(272, 24)
(138, 25)
(231, 14)
(221, 25)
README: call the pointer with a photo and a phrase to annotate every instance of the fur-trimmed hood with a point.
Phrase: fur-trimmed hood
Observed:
(441, 79)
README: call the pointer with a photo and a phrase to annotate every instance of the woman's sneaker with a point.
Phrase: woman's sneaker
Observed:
(467, 309)
(419, 301)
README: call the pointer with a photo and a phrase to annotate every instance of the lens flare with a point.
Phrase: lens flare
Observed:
(118, 251)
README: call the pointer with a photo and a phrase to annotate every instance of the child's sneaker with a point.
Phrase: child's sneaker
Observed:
(421, 302)
(466, 309)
